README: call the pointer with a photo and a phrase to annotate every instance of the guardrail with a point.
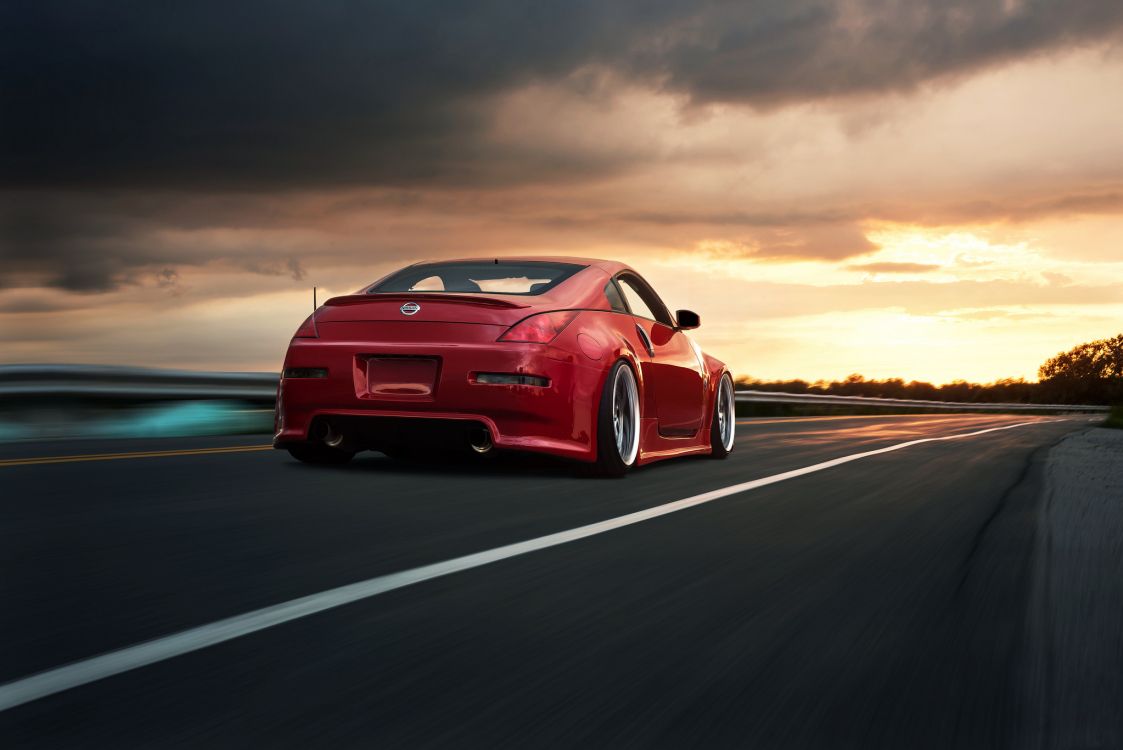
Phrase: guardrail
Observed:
(37, 382)
(870, 401)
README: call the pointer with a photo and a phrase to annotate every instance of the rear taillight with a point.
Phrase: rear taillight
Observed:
(508, 378)
(539, 329)
(307, 329)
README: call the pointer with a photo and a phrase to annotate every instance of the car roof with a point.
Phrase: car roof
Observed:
(565, 294)
(609, 266)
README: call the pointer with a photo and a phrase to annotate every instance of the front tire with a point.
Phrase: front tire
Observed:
(313, 453)
(618, 423)
(723, 426)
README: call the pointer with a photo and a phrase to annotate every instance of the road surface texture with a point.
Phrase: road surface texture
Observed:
(937, 595)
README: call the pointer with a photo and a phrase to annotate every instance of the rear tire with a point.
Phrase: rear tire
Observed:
(723, 426)
(312, 453)
(618, 423)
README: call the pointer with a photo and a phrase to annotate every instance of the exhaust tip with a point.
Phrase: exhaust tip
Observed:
(480, 440)
(334, 438)
(328, 434)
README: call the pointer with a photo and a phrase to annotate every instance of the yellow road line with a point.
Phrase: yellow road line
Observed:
(138, 454)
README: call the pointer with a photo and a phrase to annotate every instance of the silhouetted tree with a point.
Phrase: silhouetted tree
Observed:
(1089, 373)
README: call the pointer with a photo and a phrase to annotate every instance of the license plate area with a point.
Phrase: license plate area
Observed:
(406, 378)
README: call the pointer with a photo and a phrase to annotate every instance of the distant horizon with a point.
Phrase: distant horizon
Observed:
(739, 378)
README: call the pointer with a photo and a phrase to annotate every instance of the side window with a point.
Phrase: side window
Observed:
(615, 301)
(642, 301)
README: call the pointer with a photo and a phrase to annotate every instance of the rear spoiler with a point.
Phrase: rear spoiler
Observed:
(465, 299)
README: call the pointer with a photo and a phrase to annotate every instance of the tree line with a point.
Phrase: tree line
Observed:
(1090, 373)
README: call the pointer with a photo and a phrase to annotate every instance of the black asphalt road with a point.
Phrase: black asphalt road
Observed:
(880, 603)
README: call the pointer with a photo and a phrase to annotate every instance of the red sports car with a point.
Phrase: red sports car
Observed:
(568, 356)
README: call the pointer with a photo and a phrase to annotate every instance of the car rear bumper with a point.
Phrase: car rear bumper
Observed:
(557, 418)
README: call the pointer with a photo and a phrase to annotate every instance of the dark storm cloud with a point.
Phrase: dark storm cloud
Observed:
(274, 95)
(779, 51)
(90, 242)
(64, 242)
(291, 268)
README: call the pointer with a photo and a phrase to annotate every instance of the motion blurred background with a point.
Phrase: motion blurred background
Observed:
(924, 191)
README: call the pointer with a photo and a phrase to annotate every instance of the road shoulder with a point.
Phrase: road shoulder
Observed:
(1074, 633)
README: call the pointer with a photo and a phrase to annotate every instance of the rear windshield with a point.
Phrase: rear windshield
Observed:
(501, 277)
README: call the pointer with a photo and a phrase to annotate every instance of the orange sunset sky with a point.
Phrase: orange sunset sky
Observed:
(925, 190)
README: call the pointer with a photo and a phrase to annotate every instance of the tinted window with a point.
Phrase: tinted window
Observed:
(642, 300)
(514, 277)
(615, 301)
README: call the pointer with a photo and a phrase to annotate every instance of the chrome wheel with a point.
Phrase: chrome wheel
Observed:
(726, 415)
(625, 415)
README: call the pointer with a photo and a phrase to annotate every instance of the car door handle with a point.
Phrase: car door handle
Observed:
(646, 341)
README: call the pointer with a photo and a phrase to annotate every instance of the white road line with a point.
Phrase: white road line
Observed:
(83, 672)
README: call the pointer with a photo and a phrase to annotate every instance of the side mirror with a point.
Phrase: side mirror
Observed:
(687, 319)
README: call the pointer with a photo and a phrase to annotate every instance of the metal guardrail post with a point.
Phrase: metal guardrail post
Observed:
(18, 382)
